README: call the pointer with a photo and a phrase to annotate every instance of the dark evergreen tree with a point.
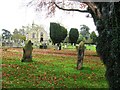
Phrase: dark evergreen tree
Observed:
(57, 33)
(6, 37)
(93, 36)
(6, 34)
(73, 35)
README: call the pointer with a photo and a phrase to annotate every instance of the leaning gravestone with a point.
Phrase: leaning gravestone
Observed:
(27, 52)
(80, 50)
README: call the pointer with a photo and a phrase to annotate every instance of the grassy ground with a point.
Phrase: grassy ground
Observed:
(88, 47)
(52, 69)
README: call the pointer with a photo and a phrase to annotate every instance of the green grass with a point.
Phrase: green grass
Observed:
(90, 47)
(70, 47)
(50, 71)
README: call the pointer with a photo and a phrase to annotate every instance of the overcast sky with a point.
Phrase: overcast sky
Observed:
(13, 14)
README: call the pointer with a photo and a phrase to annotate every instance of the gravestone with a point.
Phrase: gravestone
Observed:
(27, 52)
(80, 50)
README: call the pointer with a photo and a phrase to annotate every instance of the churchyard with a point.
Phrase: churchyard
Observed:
(52, 69)
(56, 68)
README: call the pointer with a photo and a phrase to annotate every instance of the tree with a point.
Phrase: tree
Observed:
(6, 37)
(16, 31)
(107, 21)
(64, 32)
(18, 35)
(80, 38)
(22, 31)
(73, 35)
(66, 39)
(93, 36)
(6, 34)
(57, 33)
(85, 31)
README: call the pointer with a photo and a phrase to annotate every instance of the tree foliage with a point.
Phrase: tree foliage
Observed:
(84, 31)
(6, 38)
(66, 39)
(17, 35)
(93, 36)
(73, 35)
(6, 34)
(80, 38)
(57, 32)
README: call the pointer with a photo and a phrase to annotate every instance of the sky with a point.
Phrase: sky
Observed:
(14, 14)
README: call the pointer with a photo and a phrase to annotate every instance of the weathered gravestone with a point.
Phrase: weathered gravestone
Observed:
(80, 51)
(27, 52)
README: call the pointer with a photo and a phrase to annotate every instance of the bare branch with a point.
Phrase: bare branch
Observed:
(84, 11)
(94, 8)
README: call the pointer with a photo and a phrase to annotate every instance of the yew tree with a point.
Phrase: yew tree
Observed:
(93, 36)
(73, 35)
(106, 16)
(57, 33)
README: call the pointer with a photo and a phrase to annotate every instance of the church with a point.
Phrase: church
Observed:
(36, 34)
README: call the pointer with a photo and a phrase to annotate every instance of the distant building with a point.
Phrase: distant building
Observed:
(36, 34)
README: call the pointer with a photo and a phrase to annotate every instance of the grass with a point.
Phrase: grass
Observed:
(52, 69)
(88, 47)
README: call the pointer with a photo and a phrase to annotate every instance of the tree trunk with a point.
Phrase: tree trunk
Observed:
(108, 41)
